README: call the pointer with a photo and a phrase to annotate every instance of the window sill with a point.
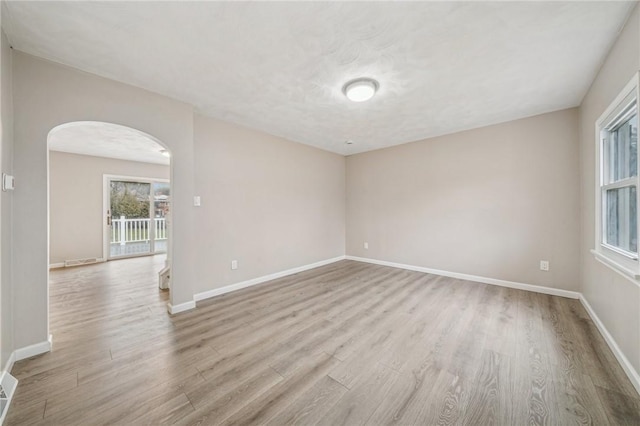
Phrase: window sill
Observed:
(630, 274)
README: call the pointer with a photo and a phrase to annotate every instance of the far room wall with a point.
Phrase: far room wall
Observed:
(76, 201)
(490, 202)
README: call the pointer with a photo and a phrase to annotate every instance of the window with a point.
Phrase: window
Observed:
(617, 188)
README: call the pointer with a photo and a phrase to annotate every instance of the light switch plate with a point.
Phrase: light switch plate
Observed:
(8, 182)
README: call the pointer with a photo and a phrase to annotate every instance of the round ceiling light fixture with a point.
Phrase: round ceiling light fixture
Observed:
(360, 89)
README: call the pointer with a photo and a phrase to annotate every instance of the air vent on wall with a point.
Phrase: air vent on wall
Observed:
(78, 262)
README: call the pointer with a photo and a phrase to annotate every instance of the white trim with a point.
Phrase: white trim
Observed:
(620, 102)
(511, 284)
(8, 366)
(633, 375)
(625, 254)
(616, 267)
(56, 265)
(614, 258)
(176, 309)
(33, 350)
(259, 280)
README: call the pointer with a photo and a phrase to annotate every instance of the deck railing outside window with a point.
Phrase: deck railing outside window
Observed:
(125, 230)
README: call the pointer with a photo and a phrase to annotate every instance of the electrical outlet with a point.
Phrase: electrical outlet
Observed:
(544, 265)
(366, 246)
(234, 264)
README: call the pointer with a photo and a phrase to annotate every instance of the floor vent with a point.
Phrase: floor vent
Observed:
(8, 385)
(78, 262)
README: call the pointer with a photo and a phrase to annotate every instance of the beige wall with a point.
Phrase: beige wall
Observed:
(615, 299)
(6, 200)
(76, 201)
(292, 218)
(47, 95)
(490, 202)
(267, 202)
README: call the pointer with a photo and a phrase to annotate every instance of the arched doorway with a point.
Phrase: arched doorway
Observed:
(91, 164)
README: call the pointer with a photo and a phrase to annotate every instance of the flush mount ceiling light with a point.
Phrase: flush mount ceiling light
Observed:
(360, 89)
(165, 153)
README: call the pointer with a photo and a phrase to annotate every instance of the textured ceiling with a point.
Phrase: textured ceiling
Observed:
(280, 67)
(106, 140)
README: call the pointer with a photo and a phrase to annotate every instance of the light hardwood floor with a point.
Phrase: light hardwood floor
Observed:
(345, 344)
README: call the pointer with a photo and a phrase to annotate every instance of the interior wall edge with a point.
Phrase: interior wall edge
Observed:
(8, 366)
(180, 307)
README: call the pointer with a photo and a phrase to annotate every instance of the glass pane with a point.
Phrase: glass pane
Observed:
(621, 222)
(161, 201)
(129, 218)
(623, 158)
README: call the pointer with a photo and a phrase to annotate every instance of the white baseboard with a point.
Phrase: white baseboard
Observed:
(8, 366)
(624, 362)
(33, 350)
(485, 280)
(56, 265)
(176, 309)
(259, 280)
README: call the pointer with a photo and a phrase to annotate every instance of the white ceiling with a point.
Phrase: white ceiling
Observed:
(279, 66)
(106, 140)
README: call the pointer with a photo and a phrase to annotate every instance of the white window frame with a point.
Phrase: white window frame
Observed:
(624, 106)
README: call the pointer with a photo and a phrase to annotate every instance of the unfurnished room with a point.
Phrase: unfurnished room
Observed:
(319, 213)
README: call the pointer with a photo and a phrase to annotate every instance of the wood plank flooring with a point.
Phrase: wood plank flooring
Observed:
(345, 344)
